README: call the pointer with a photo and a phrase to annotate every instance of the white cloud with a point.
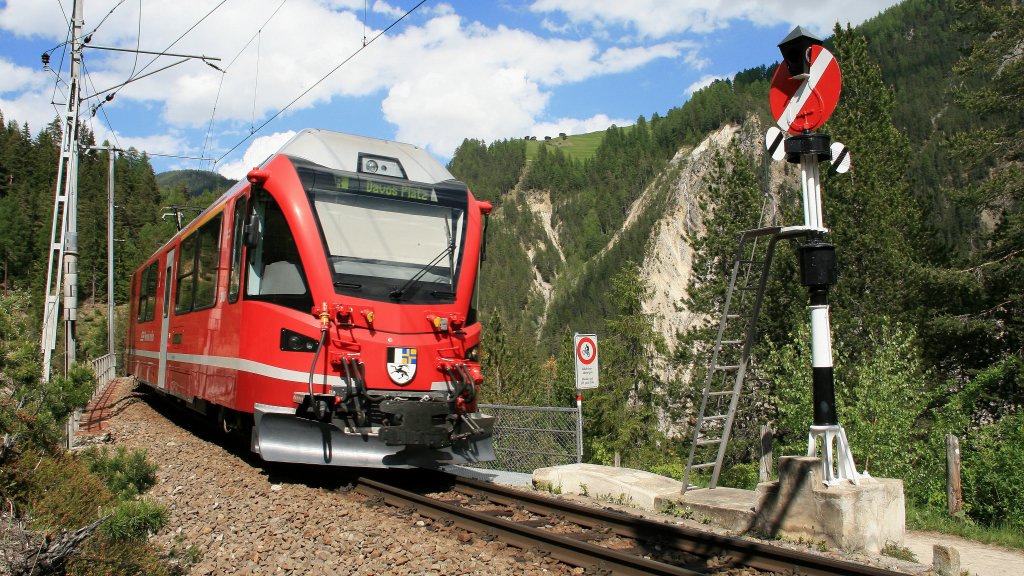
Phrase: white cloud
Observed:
(152, 144)
(32, 108)
(259, 150)
(617, 59)
(471, 81)
(14, 78)
(658, 19)
(704, 82)
(387, 9)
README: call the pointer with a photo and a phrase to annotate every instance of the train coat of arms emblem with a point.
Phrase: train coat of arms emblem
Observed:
(401, 365)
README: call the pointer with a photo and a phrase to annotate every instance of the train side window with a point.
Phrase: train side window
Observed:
(207, 259)
(235, 276)
(186, 275)
(197, 268)
(274, 267)
(167, 288)
(147, 294)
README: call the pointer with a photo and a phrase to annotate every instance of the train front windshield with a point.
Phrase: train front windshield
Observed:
(390, 241)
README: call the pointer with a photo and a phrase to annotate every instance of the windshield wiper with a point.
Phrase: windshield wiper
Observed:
(397, 294)
(349, 285)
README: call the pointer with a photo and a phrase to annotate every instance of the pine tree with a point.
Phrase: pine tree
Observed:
(623, 420)
(875, 223)
(990, 84)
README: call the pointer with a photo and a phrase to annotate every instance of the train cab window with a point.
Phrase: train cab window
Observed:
(147, 294)
(274, 267)
(390, 242)
(238, 225)
(197, 268)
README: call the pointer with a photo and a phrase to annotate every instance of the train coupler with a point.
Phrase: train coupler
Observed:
(416, 423)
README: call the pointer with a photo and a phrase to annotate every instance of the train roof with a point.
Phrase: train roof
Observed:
(340, 151)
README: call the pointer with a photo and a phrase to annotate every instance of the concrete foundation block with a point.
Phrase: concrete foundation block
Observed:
(730, 508)
(619, 485)
(862, 517)
(945, 560)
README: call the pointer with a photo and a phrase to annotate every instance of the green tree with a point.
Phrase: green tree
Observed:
(623, 419)
(990, 84)
(874, 220)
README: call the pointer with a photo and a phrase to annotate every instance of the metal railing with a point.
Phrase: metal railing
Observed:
(531, 437)
(105, 368)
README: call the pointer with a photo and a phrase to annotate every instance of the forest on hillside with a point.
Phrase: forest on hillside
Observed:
(928, 229)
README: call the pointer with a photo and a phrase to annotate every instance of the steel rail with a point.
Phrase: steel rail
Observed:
(688, 540)
(561, 548)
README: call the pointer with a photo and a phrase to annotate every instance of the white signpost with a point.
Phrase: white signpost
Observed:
(585, 346)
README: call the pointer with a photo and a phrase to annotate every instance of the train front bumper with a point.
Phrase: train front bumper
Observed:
(279, 435)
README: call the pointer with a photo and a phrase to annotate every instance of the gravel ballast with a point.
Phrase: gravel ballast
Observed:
(243, 520)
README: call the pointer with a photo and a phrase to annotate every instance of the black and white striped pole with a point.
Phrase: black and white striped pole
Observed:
(804, 93)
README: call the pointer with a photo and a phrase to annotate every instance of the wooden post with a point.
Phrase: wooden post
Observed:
(765, 469)
(954, 495)
(618, 459)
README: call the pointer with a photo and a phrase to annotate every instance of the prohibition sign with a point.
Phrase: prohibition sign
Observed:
(803, 104)
(586, 361)
(586, 350)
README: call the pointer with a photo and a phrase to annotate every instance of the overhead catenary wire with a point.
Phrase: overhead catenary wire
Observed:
(99, 107)
(138, 42)
(63, 55)
(216, 100)
(138, 75)
(256, 80)
(324, 77)
(116, 6)
(63, 12)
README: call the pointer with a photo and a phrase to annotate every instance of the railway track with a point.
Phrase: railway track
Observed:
(600, 540)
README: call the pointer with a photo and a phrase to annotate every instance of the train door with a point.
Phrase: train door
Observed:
(165, 320)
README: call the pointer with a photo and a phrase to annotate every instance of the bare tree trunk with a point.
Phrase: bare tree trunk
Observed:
(52, 557)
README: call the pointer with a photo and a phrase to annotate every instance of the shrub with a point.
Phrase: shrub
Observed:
(32, 412)
(743, 476)
(127, 474)
(993, 472)
(134, 521)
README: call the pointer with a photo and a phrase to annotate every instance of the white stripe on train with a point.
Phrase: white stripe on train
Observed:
(257, 368)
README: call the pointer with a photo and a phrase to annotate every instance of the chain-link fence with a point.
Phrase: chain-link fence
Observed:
(531, 437)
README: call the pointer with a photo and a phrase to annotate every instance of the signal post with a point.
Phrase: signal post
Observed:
(804, 93)
(820, 494)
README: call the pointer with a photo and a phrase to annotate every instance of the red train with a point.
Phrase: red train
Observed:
(327, 303)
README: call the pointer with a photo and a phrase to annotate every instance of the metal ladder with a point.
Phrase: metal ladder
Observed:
(731, 352)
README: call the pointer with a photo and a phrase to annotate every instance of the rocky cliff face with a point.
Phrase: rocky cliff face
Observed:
(669, 259)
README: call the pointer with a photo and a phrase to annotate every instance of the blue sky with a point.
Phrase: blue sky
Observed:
(450, 70)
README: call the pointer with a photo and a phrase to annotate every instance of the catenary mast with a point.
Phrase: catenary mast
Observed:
(62, 269)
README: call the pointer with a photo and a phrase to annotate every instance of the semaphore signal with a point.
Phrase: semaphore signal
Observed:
(804, 93)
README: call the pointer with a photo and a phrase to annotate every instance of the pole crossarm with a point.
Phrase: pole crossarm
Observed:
(133, 50)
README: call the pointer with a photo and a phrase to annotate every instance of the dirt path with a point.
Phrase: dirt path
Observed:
(976, 558)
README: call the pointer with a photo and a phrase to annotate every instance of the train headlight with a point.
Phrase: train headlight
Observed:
(294, 342)
(473, 353)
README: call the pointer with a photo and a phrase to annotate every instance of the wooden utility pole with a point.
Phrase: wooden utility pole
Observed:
(765, 468)
(954, 495)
